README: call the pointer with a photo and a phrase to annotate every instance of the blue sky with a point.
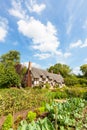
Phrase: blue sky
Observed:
(45, 32)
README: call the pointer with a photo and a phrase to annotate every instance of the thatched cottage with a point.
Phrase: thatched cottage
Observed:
(35, 77)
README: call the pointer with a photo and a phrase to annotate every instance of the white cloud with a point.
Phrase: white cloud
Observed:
(61, 60)
(36, 65)
(79, 43)
(34, 7)
(33, 64)
(59, 53)
(43, 56)
(62, 55)
(67, 54)
(17, 10)
(3, 29)
(76, 44)
(43, 36)
(84, 44)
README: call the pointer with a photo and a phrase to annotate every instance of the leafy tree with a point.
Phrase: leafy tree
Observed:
(63, 69)
(8, 76)
(10, 58)
(82, 81)
(21, 70)
(71, 81)
(83, 68)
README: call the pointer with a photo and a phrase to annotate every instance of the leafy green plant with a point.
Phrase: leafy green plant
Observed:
(60, 95)
(31, 116)
(47, 85)
(8, 122)
(68, 113)
(85, 95)
(41, 124)
(21, 99)
(39, 110)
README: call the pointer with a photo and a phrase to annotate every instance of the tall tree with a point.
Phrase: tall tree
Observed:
(83, 68)
(8, 76)
(63, 69)
(12, 57)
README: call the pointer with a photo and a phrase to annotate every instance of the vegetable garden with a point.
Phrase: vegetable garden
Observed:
(42, 111)
(62, 116)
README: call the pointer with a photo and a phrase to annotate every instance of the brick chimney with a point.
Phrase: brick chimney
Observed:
(29, 65)
(29, 75)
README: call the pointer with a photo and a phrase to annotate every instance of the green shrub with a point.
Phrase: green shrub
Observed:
(85, 95)
(83, 82)
(47, 85)
(56, 86)
(57, 94)
(8, 77)
(41, 124)
(75, 92)
(40, 110)
(8, 122)
(60, 94)
(71, 81)
(31, 116)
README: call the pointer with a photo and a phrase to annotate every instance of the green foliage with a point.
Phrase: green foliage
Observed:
(75, 91)
(85, 95)
(71, 80)
(31, 116)
(8, 122)
(21, 99)
(68, 113)
(21, 70)
(82, 81)
(63, 69)
(83, 68)
(8, 76)
(47, 85)
(10, 58)
(41, 124)
(62, 116)
(39, 110)
(58, 95)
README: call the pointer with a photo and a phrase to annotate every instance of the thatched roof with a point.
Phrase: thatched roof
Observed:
(37, 73)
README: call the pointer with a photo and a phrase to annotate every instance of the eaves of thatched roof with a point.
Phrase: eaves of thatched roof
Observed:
(37, 73)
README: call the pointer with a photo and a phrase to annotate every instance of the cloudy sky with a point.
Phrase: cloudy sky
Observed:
(45, 32)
